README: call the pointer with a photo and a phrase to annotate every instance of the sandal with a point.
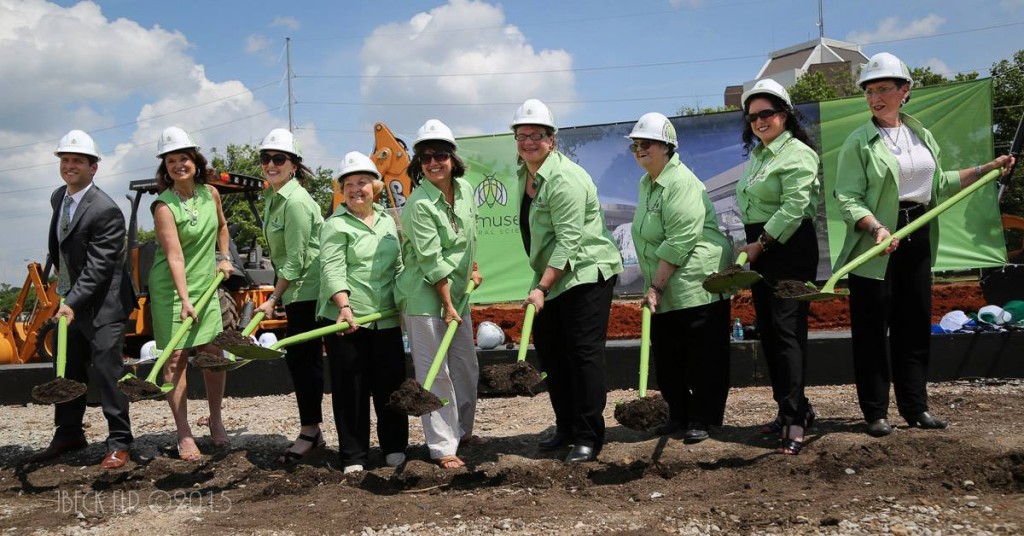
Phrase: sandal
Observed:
(290, 456)
(450, 462)
(772, 428)
(189, 454)
(790, 446)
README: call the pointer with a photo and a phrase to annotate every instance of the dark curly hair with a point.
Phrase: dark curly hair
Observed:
(163, 178)
(794, 123)
(437, 146)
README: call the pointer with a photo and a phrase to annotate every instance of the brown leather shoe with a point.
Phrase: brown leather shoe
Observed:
(115, 459)
(58, 447)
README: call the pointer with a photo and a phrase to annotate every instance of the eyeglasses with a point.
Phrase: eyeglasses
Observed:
(881, 92)
(439, 157)
(763, 114)
(536, 136)
(640, 145)
(278, 159)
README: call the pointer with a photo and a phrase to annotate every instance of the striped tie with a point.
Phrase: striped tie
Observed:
(63, 279)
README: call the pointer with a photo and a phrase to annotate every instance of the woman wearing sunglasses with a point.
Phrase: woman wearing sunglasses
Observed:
(678, 244)
(778, 197)
(575, 263)
(438, 251)
(291, 225)
(360, 259)
(890, 173)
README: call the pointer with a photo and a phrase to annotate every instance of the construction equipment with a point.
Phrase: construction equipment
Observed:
(391, 157)
(22, 332)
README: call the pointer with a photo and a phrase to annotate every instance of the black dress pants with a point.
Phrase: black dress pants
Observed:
(782, 323)
(691, 361)
(103, 348)
(569, 335)
(305, 362)
(365, 364)
(901, 305)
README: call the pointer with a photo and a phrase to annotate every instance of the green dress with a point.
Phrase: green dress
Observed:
(197, 225)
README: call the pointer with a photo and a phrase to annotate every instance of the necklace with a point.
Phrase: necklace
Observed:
(893, 143)
(192, 210)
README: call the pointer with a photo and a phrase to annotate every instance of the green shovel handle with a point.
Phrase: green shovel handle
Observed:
(645, 348)
(741, 259)
(186, 325)
(449, 334)
(62, 344)
(254, 323)
(524, 339)
(328, 330)
(909, 229)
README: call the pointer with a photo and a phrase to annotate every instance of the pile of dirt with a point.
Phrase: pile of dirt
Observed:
(413, 400)
(643, 413)
(137, 389)
(58, 390)
(519, 378)
(215, 362)
(827, 315)
(233, 337)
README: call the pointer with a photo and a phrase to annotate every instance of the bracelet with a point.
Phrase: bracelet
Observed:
(878, 226)
(762, 240)
(657, 289)
(274, 297)
(543, 290)
(346, 306)
(221, 258)
(977, 172)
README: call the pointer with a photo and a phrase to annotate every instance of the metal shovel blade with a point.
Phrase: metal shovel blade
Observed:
(731, 279)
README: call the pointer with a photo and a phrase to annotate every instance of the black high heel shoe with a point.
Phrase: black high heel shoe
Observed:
(789, 445)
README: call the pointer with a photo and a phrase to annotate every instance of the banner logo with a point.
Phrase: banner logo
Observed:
(490, 191)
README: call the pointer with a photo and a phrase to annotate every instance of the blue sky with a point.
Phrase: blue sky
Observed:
(124, 70)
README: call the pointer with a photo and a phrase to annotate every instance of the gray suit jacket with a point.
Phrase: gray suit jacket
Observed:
(101, 291)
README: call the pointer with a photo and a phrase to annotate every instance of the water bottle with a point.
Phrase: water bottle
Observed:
(405, 341)
(737, 330)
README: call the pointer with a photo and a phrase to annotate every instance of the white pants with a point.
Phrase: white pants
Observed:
(456, 380)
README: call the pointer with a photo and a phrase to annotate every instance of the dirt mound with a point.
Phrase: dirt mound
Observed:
(58, 390)
(643, 413)
(510, 378)
(413, 400)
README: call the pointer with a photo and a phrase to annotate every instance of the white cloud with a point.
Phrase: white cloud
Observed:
(290, 23)
(434, 42)
(939, 67)
(77, 69)
(256, 43)
(892, 28)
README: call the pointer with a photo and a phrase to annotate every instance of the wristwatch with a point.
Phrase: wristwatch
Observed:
(543, 290)
(223, 258)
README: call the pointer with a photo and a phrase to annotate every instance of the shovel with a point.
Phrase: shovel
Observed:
(645, 412)
(137, 389)
(61, 389)
(415, 400)
(518, 377)
(230, 363)
(793, 289)
(275, 352)
(732, 279)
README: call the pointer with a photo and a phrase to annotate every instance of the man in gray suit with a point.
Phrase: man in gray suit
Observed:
(87, 246)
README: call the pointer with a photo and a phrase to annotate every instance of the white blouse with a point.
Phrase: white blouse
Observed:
(917, 165)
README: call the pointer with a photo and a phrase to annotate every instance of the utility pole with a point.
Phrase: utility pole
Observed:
(291, 100)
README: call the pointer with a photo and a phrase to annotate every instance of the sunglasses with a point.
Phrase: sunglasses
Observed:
(640, 145)
(278, 159)
(536, 136)
(882, 91)
(439, 157)
(763, 114)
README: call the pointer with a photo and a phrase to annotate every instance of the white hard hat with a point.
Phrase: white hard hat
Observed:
(534, 112)
(356, 162)
(654, 126)
(281, 139)
(174, 139)
(994, 314)
(149, 352)
(489, 335)
(77, 142)
(769, 86)
(267, 339)
(434, 129)
(884, 65)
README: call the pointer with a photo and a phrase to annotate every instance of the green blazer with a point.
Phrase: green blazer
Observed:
(867, 183)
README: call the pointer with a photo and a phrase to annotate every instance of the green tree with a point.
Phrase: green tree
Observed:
(816, 86)
(692, 110)
(1007, 109)
(245, 160)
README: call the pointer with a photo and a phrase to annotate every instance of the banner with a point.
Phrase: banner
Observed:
(959, 115)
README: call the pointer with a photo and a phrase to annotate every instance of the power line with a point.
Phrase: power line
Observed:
(943, 34)
(593, 101)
